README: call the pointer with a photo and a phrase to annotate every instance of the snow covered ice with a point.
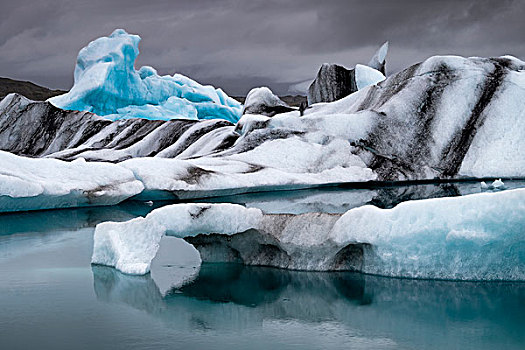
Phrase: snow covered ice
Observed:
(378, 133)
(445, 118)
(27, 183)
(132, 245)
(263, 101)
(474, 237)
(107, 84)
(366, 76)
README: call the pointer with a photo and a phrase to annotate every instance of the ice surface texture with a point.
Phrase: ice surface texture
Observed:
(447, 117)
(107, 84)
(27, 183)
(262, 100)
(474, 237)
(366, 76)
(132, 245)
(378, 61)
(334, 82)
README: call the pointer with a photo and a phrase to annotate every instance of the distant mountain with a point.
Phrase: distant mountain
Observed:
(26, 88)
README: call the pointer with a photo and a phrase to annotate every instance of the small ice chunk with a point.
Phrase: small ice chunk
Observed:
(46, 183)
(263, 101)
(498, 184)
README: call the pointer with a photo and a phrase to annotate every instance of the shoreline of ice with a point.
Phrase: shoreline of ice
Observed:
(46, 183)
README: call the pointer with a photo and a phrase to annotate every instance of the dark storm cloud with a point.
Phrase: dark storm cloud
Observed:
(241, 44)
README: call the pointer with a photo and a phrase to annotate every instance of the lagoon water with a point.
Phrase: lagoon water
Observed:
(52, 298)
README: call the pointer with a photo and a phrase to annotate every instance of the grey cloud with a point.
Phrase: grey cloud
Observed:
(241, 44)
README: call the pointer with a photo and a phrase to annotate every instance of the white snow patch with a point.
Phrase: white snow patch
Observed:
(42, 183)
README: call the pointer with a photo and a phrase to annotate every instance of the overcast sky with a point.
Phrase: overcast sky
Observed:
(238, 45)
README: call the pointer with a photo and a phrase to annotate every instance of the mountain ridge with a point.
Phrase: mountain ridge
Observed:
(28, 89)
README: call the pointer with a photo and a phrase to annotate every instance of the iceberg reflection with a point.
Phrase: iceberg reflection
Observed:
(236, 297)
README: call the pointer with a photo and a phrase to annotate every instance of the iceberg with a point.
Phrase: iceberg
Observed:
(334, 82)
(131, 246)
(39, 129)
(445, 118)
(497, 185)
(107, 84)
(27, 183)
(474, 237)
(378, 61)
(262, 100)
(366, 76)
(290, 163)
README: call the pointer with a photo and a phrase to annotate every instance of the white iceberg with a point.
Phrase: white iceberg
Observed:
(366, 76)
(498, 184)
(132, 245)
(283, 163)
(28, 183)
(107, 84)
(447, 117)
(474, 237)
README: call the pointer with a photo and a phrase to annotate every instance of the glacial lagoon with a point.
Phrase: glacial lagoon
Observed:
(50, 291)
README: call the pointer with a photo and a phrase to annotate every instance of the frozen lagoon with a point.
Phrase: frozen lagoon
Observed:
(49, 288)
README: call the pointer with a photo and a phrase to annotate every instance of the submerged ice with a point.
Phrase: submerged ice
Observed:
(475, 237)
(107, 84)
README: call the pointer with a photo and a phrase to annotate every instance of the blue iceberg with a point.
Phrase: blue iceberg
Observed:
(107, 84)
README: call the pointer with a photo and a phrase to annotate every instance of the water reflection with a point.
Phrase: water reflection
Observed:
(327, 200)
(338, 200)
(42, 221)
(232, 296)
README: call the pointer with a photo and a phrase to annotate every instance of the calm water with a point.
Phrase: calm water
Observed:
(52, 298)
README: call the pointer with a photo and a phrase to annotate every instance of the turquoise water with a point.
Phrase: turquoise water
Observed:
(52, 298)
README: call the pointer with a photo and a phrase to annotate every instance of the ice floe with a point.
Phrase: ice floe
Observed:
(474, 237)
(28, 183)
